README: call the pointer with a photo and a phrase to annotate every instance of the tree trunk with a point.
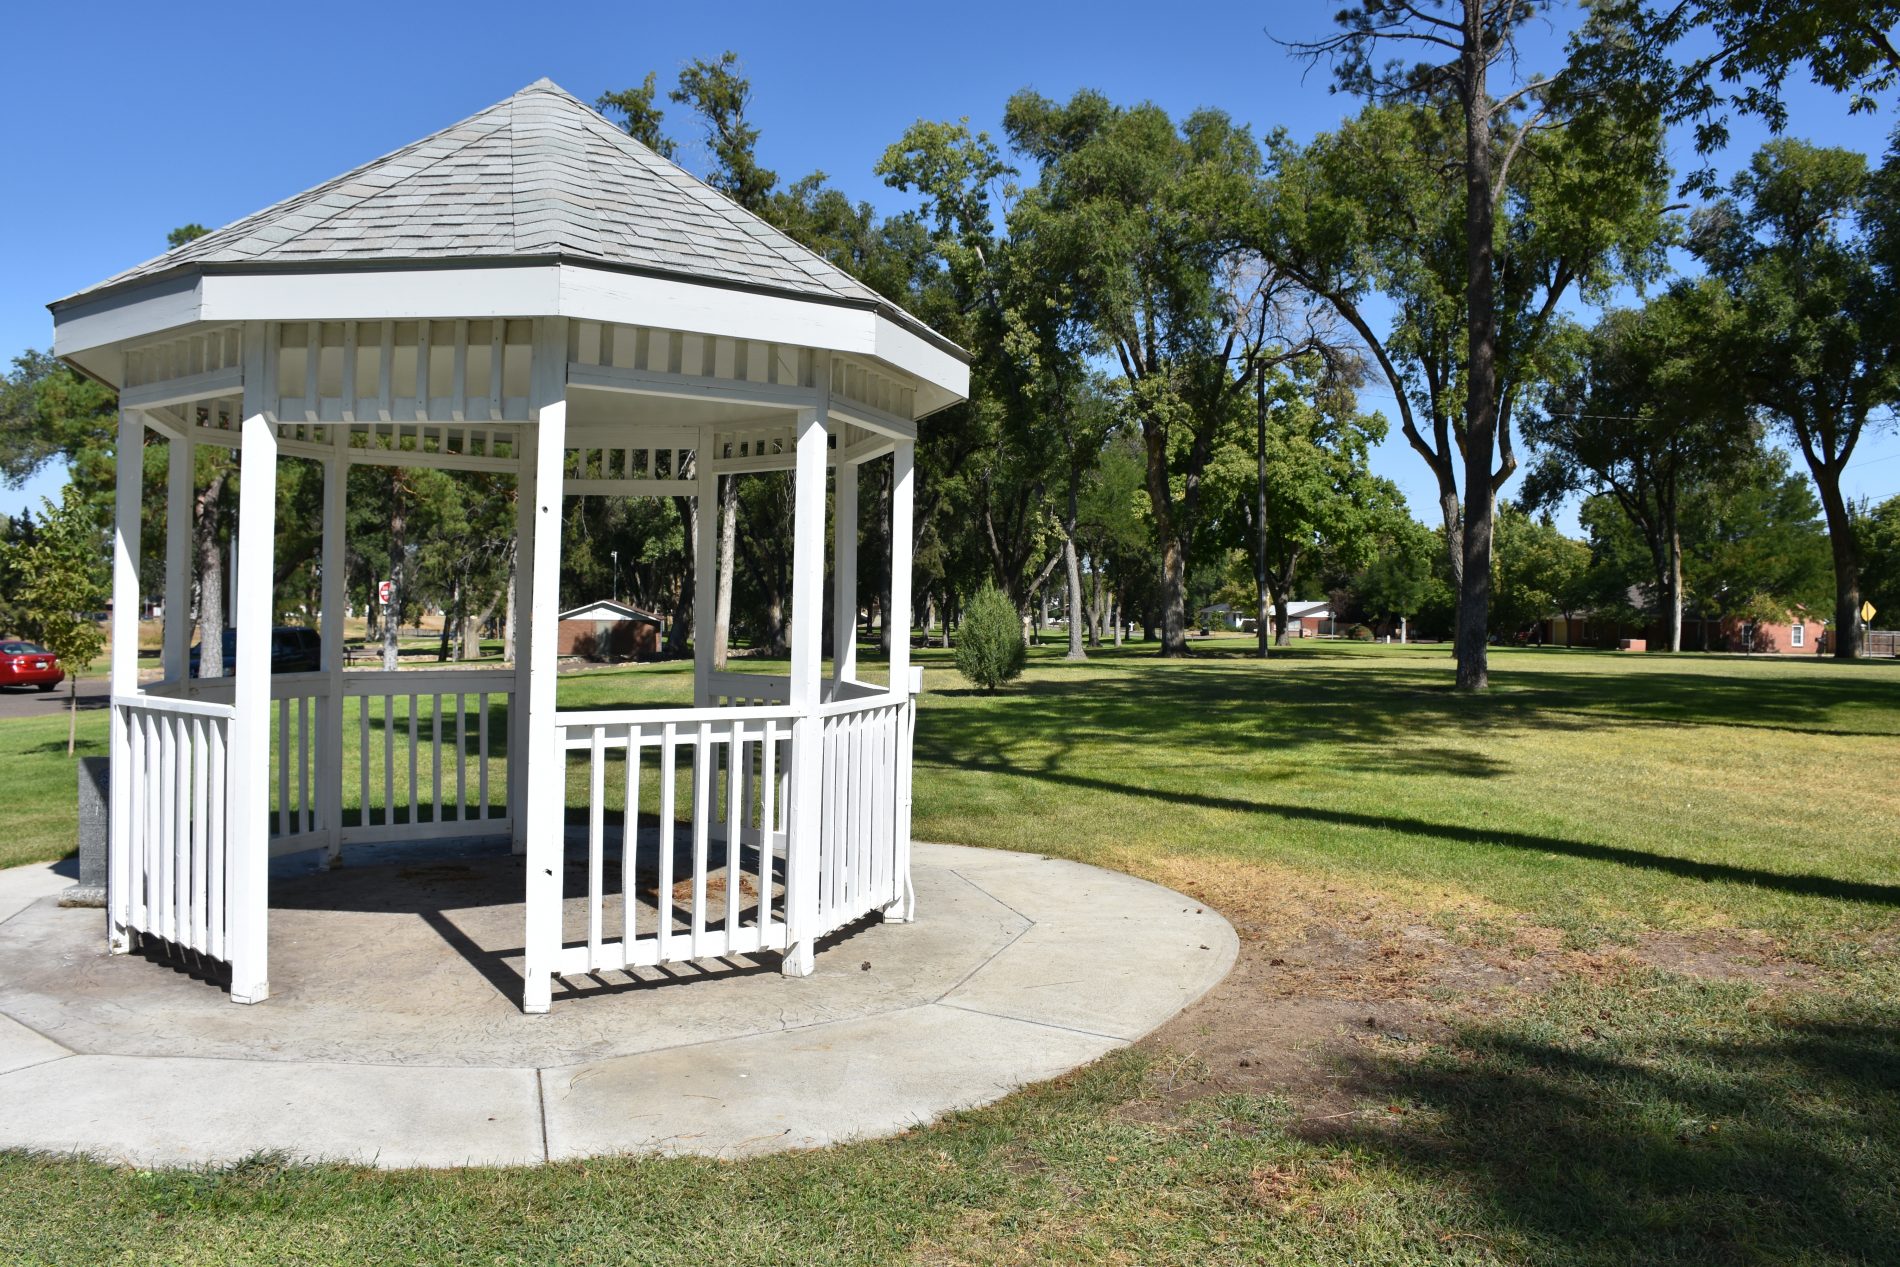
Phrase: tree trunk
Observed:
(1262, 634)
(722, 596)
(1673, 613)
(508, 617)
(451, 618)
(1073, 565)
(1481, 399)
(1843, 536)
(72, 713)
(210, 577)
(682, 630)
(1282, 616)
(392, 612)
(1173, 596)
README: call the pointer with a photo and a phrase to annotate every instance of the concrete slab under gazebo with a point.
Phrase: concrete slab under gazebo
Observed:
(392, 1036)
(528, 292)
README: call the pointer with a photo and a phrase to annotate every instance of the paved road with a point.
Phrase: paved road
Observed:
(27, 702)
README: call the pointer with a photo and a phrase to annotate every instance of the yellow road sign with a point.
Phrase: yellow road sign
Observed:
(1867, 612)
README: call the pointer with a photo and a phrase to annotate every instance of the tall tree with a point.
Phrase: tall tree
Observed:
(60, 578)
(1144, 226)
(1799, 243)
(1612, 171)
(1648, 408)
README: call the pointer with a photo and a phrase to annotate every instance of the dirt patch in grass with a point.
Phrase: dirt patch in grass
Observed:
(1328, 975)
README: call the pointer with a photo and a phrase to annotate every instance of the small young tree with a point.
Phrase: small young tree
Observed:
(59, 587)
(990, 648)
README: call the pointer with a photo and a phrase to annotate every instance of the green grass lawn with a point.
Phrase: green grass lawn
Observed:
(1593, 810)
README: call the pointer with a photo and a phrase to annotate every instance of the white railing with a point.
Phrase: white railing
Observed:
(735, 767)
(418, 746)
(169, 866)
(864, 826)
(688, 849)
(424, 741)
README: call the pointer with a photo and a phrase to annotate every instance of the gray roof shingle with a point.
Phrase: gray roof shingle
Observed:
(539, 174)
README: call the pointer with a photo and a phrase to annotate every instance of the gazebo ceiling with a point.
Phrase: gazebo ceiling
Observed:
(536, 206)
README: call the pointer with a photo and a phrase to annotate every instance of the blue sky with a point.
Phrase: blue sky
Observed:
(121, 121)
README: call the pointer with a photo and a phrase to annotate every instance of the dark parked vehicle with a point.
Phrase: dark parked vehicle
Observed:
(29, 664)
(292, 650)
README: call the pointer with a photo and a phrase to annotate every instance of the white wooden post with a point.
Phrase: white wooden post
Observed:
(545, 773)
(247, 854)
(844, 566)
(897, 619)
(180, 485)
(336, 482)
(903, 682)
(808, 581)
(525, 487)
(705, 570)
(124, 670)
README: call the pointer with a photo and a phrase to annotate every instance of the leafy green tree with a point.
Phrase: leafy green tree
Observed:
(990, 648)
(640, 115)
(1880, 570)
(1397, 583)
(1035, 423)
(1735, 57)
(1755, 545)
(1142, 225)
(58, 581)
(1649, 407)
(1539, 572)
(1314, 494)
(1585, 173)
(1800, 243)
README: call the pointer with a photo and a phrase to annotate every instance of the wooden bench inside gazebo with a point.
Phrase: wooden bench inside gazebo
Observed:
(529, 292)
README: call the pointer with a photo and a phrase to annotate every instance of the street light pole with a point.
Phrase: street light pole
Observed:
(616, 555)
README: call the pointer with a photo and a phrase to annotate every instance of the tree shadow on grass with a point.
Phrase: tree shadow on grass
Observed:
(1688, 868)
(1775, 1147)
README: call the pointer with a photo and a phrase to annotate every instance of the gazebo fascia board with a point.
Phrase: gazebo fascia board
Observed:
(93, 331)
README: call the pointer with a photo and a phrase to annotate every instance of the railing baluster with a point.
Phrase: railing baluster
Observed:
(199, 822)
(630, 845)
(669, 788)
(596, 842)
(163, 823)
(735, 830)
(435, 777)
(861, 809)
(461, 757)
(214, 863)
(280, 813)
(410, 700)
(389, 759)
(180, 829)
(481, 745)
(306, 813)
(362, 760)
(703, 779)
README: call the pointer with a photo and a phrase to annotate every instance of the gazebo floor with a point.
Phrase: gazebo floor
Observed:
(393, 1033)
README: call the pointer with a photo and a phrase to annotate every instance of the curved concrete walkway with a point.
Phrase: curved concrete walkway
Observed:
(392, 1036)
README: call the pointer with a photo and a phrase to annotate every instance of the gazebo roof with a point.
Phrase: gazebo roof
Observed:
(539, 176)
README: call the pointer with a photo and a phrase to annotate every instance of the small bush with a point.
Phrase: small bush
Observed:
(1361, 634)
(990, 648)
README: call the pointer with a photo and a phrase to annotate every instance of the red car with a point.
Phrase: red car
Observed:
(29, 664)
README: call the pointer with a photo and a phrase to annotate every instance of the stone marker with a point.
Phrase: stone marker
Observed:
(95, 810)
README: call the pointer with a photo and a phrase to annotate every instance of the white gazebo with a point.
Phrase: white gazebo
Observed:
(529, 291)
